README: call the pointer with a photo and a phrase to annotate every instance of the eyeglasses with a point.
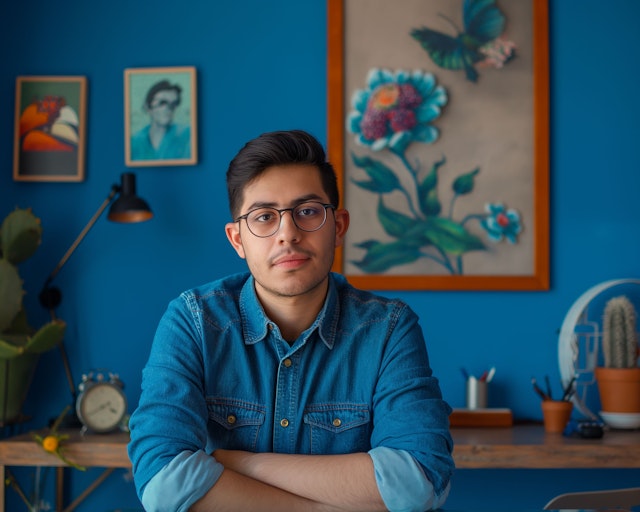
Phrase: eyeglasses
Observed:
(265, 222)
(165, 103)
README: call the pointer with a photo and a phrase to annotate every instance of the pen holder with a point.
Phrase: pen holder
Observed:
(556, 415)
(477, 393)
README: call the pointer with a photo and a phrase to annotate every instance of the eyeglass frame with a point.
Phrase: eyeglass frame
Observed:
(281, 212)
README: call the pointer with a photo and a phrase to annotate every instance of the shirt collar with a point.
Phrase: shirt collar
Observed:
(255, 323)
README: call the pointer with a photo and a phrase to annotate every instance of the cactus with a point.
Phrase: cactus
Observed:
(20, 236)
(620, 338)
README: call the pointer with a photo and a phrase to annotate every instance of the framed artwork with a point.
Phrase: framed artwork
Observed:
(438, 126)
(160, 121)
(50, 127)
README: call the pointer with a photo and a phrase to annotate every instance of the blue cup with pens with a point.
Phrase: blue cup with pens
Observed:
(477, 389)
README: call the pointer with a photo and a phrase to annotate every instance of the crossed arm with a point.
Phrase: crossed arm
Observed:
(258, 481)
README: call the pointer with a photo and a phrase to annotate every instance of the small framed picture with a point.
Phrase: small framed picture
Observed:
(160, 121)
(50, 126)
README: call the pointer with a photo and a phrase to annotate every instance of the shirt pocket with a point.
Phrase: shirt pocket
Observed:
(338, 428)
(235, 424)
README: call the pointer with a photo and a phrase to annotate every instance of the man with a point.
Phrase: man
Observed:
(285, 388)
(162, 139)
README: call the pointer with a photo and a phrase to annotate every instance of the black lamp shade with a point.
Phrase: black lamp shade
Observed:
(128, 207)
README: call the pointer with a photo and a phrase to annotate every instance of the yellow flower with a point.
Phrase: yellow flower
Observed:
(53, 442)
(50, 444)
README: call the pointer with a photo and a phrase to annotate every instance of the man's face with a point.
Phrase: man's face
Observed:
(291, 262)
(163, 106)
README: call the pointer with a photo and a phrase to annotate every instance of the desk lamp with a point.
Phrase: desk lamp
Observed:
(126, 208)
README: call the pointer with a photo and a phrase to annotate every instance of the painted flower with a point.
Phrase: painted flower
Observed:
(501, 223)
(396, 109)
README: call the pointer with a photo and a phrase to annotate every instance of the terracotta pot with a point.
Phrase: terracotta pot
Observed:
(556, 415)
(619, 389)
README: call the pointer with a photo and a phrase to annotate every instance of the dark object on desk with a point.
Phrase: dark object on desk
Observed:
(584, 429)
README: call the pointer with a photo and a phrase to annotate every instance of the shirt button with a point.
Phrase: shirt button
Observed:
(231, 419)
(337, 422)
(287, 362)
(284, 422)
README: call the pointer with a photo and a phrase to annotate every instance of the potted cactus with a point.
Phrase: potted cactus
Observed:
(20, 344)
(619, 379)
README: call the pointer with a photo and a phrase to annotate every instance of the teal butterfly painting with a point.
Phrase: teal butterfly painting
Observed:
(478, 44)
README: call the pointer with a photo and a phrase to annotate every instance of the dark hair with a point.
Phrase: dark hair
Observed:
(278, 148)
(163, 85)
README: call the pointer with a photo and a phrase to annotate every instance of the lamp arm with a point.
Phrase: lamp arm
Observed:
(114, 190)
(50, 297)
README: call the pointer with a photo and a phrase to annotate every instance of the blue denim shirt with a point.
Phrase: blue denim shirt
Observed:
(220, 375)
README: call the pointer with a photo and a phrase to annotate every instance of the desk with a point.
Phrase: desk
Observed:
(529, 447)
(521, 446)
(90, 450)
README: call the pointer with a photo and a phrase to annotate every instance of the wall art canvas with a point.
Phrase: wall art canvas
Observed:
(50, 127)
(160, 116)
(438, 126)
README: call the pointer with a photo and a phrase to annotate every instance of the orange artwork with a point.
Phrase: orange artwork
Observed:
(49, 129)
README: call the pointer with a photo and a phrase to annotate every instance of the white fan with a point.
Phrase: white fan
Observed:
(578, 344)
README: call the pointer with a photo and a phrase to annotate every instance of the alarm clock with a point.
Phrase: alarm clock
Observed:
(101, 405)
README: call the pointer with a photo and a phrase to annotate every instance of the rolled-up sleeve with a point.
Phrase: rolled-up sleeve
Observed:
(410, 414)
(181, 483)
(402, 483)
(168, 428)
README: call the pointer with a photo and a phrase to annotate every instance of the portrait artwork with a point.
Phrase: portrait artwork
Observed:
(160, 116)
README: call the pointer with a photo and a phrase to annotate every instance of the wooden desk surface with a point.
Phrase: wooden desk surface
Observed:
(528, 446)
(90, 450)
(521, 446)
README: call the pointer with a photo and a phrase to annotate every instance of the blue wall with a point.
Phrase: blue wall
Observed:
(262, 66)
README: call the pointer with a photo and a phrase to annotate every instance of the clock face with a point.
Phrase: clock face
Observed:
(101, 407)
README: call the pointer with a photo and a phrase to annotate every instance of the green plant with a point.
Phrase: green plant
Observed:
(20, 344)
(619, 335)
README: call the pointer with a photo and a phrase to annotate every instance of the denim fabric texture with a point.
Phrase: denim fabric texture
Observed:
(220, 375)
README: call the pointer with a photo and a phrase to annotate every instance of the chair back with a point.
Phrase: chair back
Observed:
(615, 498)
